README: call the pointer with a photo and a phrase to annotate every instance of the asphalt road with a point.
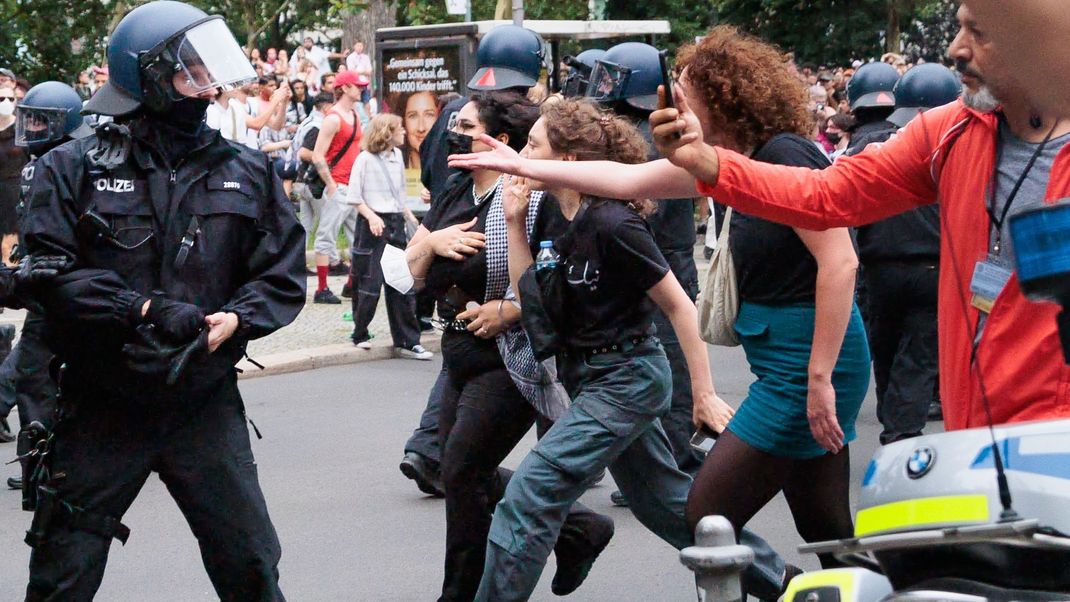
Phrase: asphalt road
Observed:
(352, 528)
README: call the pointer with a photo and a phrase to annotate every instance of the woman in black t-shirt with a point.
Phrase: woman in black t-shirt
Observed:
(460, 254)
(801, 332)
(612, 275)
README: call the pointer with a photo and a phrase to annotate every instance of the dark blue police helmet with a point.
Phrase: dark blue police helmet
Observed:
(921, 88)
(508, 57)
(872, 86)
(161, 43)
(629, 72)
(49, 113)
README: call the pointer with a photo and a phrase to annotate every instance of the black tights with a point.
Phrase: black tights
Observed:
(737, 480)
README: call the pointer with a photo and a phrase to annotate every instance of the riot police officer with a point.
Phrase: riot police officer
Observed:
(900, 258)
(49, 115)
(871, 96)
(185, 247)
(509, 58)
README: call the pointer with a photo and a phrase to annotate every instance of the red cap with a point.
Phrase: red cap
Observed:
(350, 78)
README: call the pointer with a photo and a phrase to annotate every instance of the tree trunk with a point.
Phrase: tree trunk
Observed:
(892, 40)
(503, 10)
(361, 25)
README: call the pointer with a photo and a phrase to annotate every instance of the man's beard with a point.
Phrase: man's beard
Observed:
(982, 100)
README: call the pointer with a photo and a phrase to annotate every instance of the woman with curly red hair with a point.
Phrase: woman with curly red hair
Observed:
(798, 324)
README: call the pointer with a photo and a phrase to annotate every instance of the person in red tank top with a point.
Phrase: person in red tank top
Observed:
(336, 150)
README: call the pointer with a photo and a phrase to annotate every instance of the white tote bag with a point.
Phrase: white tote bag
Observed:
(719, 304)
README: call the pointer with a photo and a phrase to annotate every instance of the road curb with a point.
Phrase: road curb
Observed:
(313, 358)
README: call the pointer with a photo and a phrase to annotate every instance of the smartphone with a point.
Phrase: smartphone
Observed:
(666, 76)
(703, 439)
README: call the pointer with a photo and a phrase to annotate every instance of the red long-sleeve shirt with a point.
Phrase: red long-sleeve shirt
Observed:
(948, 154)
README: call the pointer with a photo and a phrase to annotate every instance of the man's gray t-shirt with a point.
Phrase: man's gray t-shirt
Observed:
(1014, 155)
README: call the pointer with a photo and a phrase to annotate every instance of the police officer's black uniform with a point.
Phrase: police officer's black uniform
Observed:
(900, 259)
(197, 225)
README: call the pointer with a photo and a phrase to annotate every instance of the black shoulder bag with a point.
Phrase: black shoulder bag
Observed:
(312, 178)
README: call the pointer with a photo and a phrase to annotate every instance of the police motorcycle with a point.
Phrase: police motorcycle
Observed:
(974, 515)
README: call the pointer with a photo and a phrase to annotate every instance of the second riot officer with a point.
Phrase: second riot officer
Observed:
(185, 247)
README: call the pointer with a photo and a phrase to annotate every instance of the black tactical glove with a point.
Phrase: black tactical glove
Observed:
(176, 322)
(152, 356)
(18, 283)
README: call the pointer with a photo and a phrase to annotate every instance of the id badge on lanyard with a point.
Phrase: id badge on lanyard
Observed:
(990, 276)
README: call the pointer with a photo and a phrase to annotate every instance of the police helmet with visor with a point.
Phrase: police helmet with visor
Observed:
(49, 113)
(509, 56)
(629, 72)
(579, 74)
(923, 87)
(163, 51)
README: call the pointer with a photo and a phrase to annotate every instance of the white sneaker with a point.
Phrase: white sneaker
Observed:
(364, 345)
(417, 352)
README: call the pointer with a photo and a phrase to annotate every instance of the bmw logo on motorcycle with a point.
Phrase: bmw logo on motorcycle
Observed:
(921, 462)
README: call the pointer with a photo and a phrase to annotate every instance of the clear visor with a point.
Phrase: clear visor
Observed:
(33, 125)
(607, 81)
(207, 57)
(576, 83)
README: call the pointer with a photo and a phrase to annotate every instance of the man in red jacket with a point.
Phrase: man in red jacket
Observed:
(983, 162)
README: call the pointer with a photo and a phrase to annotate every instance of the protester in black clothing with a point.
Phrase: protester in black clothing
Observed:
(610, 276)
(185, 248)
(900, 259)
(510, 58)
(490, 401)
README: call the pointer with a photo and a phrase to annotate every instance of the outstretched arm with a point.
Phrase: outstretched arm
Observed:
(654, 180)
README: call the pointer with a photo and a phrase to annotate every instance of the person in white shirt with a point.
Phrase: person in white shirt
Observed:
(319, 57)
(233, 117)
(361, 63)
(377, 189)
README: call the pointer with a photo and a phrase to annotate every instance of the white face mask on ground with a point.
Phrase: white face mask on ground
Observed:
(7, 108)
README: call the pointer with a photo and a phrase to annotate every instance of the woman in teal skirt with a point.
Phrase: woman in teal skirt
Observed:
(798, 324)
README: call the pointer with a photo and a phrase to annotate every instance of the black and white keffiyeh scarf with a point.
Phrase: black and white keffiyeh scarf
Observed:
(536, 380)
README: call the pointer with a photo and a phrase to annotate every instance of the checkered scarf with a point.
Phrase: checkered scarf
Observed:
(536, 380)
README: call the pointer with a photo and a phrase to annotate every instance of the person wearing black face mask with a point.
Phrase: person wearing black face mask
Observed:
(459, 255)
(186, 247)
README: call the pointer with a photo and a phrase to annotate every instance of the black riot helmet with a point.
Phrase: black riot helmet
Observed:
(508, 57)
(49, 114)
(579, 74)
(872, 87)
(163, 51)
(921, 88)
(629, 72)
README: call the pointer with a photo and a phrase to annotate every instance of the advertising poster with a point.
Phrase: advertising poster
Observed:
(413, 80)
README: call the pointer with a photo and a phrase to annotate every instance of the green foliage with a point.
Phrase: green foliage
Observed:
(45, 39)
(837, 31)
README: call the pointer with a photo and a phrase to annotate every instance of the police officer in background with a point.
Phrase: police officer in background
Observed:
(579, 72)
(48, 116)
(900, 258)
(509, 58)
(185, 247)
(626, 79)
(871, 96)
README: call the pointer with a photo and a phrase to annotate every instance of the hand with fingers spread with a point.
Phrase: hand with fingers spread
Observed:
(677, 131)
(456, 242)
(516, 199)
(711, 410)
(485, 321)
(821, 412)
(501, 158)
